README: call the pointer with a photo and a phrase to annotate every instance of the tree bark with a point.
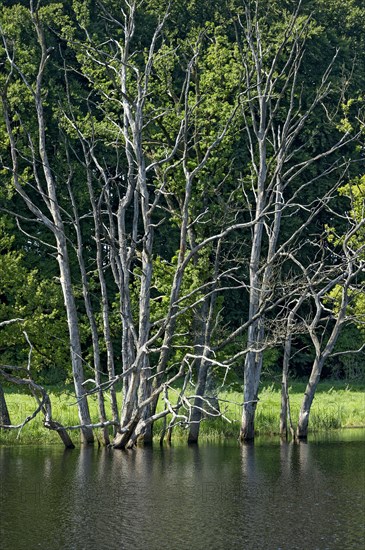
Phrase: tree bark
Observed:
(89, 312)
(4, 412)
(352, 270)
(62, 255)
(75, 344)
(247, 432)
(303, 421)
(285, 414)
(199, 403)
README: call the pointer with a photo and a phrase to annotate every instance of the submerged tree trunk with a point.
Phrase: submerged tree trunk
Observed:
(285, 413)
(323, 351)
(199, 404)
(302, 429)
(203, 352)
(250, 393)
(75, 344)
(89, 312)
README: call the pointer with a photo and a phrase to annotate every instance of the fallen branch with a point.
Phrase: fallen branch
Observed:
(43, 401)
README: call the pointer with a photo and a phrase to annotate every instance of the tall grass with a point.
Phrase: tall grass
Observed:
(336, 405)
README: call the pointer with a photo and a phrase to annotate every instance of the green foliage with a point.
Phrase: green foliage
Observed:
(82, 35)
(192, 293)
(354, 191)
(38, 301)
(349, 366)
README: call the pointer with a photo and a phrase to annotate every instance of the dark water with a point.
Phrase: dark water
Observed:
(268, 496)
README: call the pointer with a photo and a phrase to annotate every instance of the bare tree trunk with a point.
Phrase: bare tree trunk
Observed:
(202, 350)
(351, 266)
(103, 286)
(89, 312)
(302, 429)
(144, 431)
(4, 413)
(62, 256)
(53, 425)
(199, 405)
(247, 432)
(56, 226)
(321, 356)
(201, 367)
(285, 403)
(203, 353)
(285, 413)
(253, 366)
(271, 146)
(65, 438)
(75, 344)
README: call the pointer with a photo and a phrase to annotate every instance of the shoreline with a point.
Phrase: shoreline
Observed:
(337, 406)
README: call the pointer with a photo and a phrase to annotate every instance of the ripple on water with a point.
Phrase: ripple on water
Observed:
(275, 497)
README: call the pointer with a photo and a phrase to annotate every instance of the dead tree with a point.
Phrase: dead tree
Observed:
(130, 222)
(130, 180)
(200, 406)
(332, 306)
(317, 275)
(13, 374)
(279, 176)
(41, 168)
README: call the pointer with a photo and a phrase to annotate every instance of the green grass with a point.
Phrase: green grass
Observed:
(336, 405)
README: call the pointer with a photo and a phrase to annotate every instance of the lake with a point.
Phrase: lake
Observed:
(269, 495)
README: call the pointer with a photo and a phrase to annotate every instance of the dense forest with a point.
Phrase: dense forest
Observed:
(181, 205)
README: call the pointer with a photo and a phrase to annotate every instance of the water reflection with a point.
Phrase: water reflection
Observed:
(286, 496)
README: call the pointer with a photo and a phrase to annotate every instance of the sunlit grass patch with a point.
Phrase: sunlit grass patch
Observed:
(336, 405)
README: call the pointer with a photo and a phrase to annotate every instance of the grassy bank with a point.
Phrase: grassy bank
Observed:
(336, 405)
